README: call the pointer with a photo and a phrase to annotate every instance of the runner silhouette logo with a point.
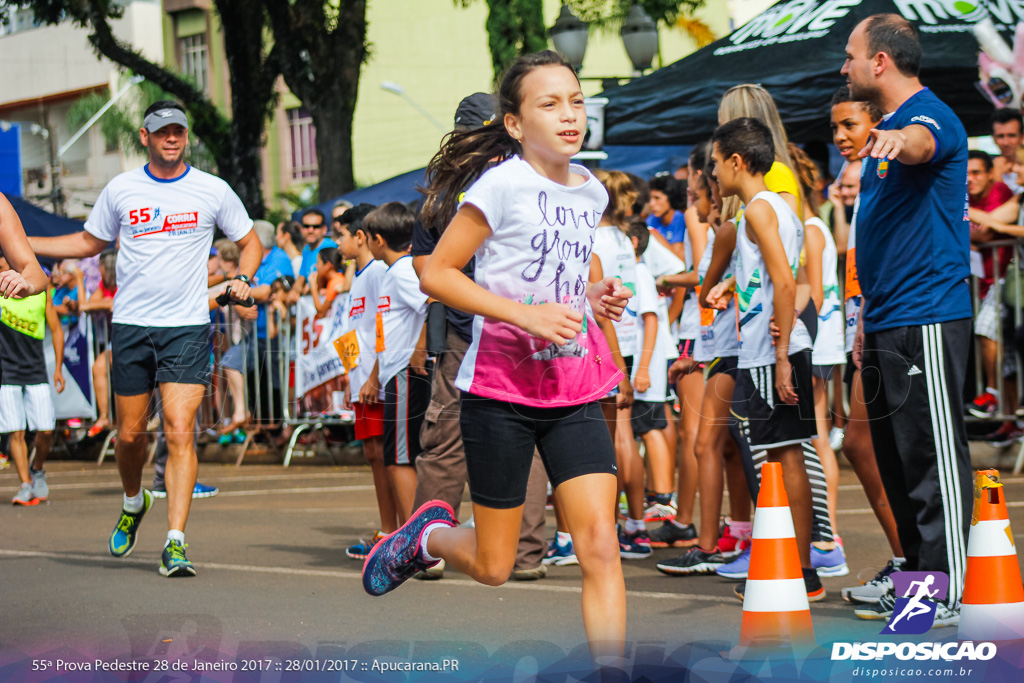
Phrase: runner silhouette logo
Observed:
(917, 595)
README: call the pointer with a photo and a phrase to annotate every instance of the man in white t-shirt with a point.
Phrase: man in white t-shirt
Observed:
(163, 216)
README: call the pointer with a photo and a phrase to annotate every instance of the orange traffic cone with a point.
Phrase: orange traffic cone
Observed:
(993, 603)
(775, 607)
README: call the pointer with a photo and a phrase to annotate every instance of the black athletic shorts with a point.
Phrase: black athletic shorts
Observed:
(500, 438)
(724, 365)
(772, 423)
(406, 399)
(647, 416)
(849, 370)
(143, 357)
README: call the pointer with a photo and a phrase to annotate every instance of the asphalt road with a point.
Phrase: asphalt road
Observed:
(275, 593)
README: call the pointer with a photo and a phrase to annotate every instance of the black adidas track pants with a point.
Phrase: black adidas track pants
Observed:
(913, 383)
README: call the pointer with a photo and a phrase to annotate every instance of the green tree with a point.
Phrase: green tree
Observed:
(234, 142)
(514, 27)
(322, 49)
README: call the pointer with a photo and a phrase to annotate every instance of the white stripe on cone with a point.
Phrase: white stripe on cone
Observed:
(773, 523)
(990, 539)
(991, 622)
(775, 595)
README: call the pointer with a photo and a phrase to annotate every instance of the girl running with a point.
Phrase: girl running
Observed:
(535, 370)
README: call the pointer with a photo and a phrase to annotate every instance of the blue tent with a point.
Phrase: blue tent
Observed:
(41, 223)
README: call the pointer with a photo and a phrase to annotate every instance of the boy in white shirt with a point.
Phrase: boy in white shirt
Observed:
(774, 386)
(360, 345)
(650, 379)
(401, 351)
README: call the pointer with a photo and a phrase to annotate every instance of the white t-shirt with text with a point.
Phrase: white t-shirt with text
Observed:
(403, 310)
(166, 230)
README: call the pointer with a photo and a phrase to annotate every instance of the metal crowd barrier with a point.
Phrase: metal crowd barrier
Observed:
(1013, 281)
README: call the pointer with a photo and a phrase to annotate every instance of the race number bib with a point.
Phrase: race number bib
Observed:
(707, 315)
(852, 283)
(380, 333)
(347, 346)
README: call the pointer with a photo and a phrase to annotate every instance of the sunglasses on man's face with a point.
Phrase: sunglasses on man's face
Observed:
(312, 226)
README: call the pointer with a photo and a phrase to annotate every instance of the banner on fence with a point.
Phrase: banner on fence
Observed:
(77, 399)
(317, 360)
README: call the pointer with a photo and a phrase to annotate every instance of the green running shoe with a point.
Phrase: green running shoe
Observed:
(122, 539)
(173, 561)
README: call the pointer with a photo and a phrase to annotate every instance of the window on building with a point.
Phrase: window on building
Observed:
(303, 140)
(194, 59)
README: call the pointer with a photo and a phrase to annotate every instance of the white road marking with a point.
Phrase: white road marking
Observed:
(335, 574)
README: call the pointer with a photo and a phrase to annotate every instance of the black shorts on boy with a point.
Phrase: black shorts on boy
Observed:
(406, 399)
(647, 416)
(772, 423)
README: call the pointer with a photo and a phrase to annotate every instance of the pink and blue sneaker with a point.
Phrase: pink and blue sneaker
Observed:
(396, 557)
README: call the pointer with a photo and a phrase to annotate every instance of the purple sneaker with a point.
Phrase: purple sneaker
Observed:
(397, 556)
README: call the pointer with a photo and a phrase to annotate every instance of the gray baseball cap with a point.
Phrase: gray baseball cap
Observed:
(165, 117)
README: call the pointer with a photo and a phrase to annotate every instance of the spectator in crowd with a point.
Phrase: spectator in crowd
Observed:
(289, 239)
(668, 203)
(68, 291)
(100, 304)
(986, 193)
(314, 230)
(401, 368)
(361, 347)
(327, 281)
(1007, 130)
(237, 358)
(25, 402)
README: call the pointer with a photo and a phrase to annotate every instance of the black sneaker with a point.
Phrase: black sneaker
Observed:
(815, 591)
(668, 535)
(693, 561)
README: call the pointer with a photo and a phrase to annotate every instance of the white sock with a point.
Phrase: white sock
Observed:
(898, 561)
(175, 535)
(26, 486)
(634, 525)
(564, 538)
(134, 503)
(993, 392)
(674, 522)
(423, 541)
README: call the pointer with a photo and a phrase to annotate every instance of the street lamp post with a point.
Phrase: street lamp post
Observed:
(639, 36)
(396, 89)
(569, 36)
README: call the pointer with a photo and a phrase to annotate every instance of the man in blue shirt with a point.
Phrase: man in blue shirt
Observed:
(314, 229)
(912, 263)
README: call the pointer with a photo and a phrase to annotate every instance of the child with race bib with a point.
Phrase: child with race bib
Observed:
(536, 368)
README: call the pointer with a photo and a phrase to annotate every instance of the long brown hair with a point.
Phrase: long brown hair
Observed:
(464, 155)
(621, 196)
(807, 175)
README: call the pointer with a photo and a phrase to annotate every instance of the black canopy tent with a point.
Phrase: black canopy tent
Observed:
(795, 49)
